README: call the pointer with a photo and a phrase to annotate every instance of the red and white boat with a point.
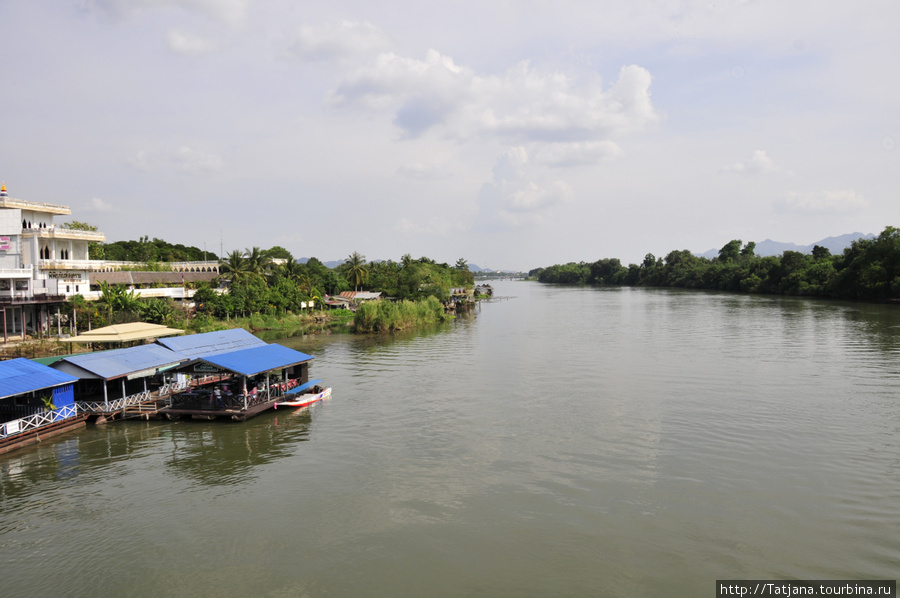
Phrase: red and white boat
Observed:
(305, 395)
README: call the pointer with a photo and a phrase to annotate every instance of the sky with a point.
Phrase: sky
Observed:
(512, 134)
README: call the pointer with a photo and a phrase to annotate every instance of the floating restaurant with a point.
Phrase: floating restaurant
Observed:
(35, 402)
(228, 374)
(238, 375)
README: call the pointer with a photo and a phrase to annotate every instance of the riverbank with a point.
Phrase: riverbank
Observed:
(287, 325)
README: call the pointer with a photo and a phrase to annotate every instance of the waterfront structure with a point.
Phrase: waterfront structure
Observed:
(35, 401)
(238, 375)
(110, 381)
(42, 264)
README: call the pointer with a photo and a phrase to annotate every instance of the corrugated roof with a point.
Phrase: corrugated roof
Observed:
(120, 362)
(255, 360)
(210, 343)
(22, 375)
(132, 331)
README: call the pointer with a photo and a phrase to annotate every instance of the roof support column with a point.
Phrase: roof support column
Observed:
(245, 392)
(105, 397)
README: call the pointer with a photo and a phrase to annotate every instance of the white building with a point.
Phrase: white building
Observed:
(41, 264)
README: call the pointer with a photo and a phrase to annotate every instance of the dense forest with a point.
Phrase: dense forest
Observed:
(869, 269)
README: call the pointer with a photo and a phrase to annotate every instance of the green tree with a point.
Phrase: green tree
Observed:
(278, 253)
(234, 268)
(357, 269)
(730, 251)
(258, 263)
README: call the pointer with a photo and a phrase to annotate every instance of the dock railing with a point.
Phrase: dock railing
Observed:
(32, 422)
(113, 406)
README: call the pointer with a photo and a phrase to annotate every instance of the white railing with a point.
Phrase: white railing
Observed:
(111, 406)
(17, 426)
(66, 233)
(61, 264)
(111, 266)
(172, 387)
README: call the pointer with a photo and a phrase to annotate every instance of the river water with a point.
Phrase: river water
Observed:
(558, 442)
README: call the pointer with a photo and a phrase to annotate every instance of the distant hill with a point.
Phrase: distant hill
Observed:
(835, 245)
(331, 264)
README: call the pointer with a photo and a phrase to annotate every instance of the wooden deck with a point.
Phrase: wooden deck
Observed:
(17, 441)
(211, 413)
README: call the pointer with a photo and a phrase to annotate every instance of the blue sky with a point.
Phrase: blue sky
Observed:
(511, 134)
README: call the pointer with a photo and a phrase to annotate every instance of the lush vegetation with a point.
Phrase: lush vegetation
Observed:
(265, 289)
(257, 285)
(869, 269)
(145, 250)
(385, 316)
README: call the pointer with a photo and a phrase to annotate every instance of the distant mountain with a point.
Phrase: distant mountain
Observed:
(476, 268)
(331, 264)
(769, 247)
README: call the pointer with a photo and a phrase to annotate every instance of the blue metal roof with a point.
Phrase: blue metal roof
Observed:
(22, 375)
(119, 362)
(210, 343)
(255, 360)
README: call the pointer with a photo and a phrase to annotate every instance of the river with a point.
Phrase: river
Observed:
(557, 442)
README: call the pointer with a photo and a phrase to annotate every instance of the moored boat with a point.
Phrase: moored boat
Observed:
(304, 395)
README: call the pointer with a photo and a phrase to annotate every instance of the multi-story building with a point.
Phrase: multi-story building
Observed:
(41, 263)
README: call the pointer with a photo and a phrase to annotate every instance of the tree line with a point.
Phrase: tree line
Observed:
(867, 270)
(271, 282)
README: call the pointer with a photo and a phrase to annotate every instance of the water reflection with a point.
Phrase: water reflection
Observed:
(217, 454)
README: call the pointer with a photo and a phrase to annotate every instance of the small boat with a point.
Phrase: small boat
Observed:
(305, 395)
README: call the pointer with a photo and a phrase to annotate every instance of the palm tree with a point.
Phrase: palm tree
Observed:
(291, 269)
(357, 269)
(258, 262)
(119, 300)
(234, 267)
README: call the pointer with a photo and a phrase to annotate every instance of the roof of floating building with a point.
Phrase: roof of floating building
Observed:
(133, 331)
(133, 362)
(211, 343)
(256, 360)
(18, 376)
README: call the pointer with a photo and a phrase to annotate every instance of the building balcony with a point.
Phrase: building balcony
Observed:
(34, 206)
(64, 233)
(57, 264)
(15, 273)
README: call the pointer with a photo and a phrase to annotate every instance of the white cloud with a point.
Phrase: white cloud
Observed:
(525, 104)
(435, 225)
(185, 43)
(141, 161)
(577, 154)
(515, 197)
(424, 171)
(191, 161)
(99, 205)
(232, 11)
(758, 164)
(340, 42)
(823, 202)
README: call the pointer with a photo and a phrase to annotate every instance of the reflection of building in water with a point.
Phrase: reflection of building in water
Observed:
(231, 455)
